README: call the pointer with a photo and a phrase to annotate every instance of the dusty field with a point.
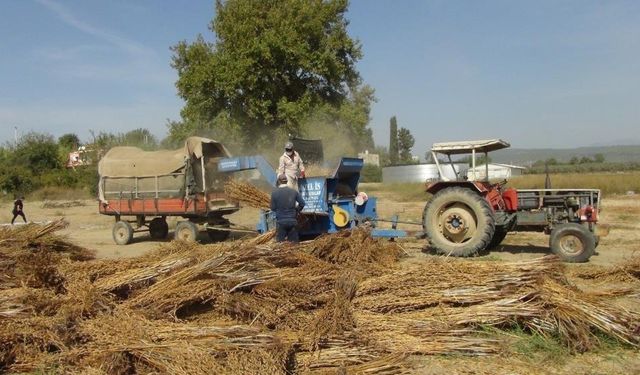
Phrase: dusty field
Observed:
(91, 230)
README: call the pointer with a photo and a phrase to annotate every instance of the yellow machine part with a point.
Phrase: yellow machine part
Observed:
(340, 216)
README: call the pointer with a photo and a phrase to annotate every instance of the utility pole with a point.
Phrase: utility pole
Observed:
(15, 134)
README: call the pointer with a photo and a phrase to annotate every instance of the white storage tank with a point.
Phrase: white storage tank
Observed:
(421, 172)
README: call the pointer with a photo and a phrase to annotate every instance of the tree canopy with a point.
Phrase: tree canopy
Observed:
(273, 64)
(405, 144)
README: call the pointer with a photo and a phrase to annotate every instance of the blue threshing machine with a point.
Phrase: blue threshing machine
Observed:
(333, 203)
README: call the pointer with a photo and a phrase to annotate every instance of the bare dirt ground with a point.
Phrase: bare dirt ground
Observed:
(89, 229)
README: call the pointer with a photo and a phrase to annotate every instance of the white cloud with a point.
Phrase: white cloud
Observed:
(106, 35)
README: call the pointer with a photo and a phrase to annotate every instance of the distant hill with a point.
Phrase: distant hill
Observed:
(526, 157)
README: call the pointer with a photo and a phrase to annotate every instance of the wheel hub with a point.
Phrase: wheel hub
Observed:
(571, 244)
(457, 223)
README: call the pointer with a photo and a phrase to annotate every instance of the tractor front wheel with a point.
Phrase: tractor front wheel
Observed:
(186, 231)
(122, 232)
(458, 222)
(573, 243)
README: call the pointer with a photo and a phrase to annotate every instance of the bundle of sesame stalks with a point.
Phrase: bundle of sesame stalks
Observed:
(341, 303)
(247, 194)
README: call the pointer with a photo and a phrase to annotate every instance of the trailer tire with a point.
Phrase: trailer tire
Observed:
(122, 232)
(573, 243)
(186, 231)
(158, 228)
(458, 222)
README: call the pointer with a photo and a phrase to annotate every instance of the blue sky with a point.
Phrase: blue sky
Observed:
(537, 73)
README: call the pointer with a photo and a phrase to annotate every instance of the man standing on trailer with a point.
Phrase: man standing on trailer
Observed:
(286, 203)
(291, 165)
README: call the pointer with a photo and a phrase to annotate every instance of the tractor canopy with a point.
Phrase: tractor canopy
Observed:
(467, 147)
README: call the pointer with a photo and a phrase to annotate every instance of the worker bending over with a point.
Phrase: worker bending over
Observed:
(286, 203)
(291, 165)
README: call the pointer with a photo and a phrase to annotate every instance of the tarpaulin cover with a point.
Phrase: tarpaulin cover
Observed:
(130, 171)
(125, 161)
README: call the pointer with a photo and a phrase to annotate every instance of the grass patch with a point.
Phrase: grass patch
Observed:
(59, 193)
(536, 347)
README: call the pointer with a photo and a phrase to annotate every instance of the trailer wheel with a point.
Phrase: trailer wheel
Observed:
(572, 242)
(122, 232)
(458, 222)
(158, 228)
(186, 231)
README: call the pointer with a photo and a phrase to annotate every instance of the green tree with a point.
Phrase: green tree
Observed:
(68, 142)
(405, 144)
(574, 160)
(598, 158)
(272, 63)
(37, 152)
(139, 138)
(393, 141)
(585, 160)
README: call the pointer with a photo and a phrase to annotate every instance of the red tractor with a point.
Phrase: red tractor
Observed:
(468, 214)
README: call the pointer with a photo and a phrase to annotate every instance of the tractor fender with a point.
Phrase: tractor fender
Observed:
(435, 187)
(483, 188)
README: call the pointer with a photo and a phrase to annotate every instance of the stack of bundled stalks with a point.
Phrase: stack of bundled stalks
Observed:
(628, 271)
(340, 303)
(247, 194)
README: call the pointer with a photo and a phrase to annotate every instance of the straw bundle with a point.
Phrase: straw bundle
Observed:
(628, 271)
(338, 304)
(247, 194)
(355, 248)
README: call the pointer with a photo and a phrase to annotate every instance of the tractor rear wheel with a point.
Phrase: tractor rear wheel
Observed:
(122, 232)
(572, 242)
(458, 222)
(158, 228)
(186, 231)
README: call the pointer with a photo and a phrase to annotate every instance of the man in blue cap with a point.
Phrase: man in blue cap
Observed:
(286, 202)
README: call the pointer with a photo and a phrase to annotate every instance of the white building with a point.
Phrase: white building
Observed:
(373, 159)
(496, 171)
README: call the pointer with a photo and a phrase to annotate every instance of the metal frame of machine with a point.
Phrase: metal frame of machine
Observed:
(333, 203)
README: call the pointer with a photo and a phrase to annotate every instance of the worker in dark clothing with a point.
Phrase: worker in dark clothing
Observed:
(17, 210)
(286, 202)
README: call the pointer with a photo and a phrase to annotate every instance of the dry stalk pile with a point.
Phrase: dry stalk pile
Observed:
(340, 303)
(247, 194)
(628, 271)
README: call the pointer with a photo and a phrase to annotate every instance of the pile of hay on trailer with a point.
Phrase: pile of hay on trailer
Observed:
(341, 303)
